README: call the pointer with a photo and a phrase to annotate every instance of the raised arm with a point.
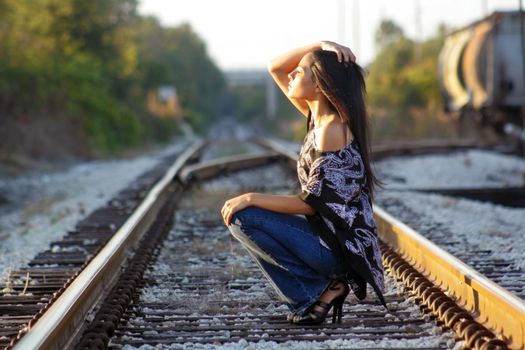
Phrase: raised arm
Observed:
(282, 65)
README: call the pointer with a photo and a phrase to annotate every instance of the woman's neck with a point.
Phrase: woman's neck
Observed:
(322, 112)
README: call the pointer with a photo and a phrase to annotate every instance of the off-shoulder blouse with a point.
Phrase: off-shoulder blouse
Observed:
(334, 184)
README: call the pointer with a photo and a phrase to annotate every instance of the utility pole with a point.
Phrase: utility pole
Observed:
(341, 23)
(522, 75)
(419, 29)
(484, 8)
(356, 43)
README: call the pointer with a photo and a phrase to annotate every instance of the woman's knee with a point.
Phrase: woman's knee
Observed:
(240, 225)
(246, 216)
(244, 222)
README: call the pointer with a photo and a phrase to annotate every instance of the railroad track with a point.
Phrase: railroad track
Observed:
(221, 297)
(199, 288)
(507, 196)
(74, 271)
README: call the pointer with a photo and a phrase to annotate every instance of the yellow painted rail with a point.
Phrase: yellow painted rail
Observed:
(493, 306)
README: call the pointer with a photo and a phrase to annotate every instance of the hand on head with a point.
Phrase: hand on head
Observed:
(344, 54)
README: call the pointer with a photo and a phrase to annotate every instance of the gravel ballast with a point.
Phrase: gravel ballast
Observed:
(469, 225)
(41, 207)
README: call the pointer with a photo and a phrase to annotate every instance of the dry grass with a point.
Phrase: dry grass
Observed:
(237, 271)
(42, 206)
(8, 285)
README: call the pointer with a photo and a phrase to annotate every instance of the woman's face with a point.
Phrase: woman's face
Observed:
(301, 83)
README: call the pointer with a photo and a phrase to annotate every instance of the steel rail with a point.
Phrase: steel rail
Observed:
(491, 305)
(384, 150)
(508, 196)
(218, 166)
(57, 327)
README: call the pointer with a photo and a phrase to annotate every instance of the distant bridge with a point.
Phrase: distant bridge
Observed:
(256, 77)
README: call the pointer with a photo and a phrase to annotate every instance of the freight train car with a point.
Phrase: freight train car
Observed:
(481, 73)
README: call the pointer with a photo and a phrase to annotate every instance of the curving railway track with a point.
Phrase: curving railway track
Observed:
(203, 289)
(186, 284)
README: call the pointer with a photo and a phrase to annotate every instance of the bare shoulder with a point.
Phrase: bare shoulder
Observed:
(331, 137)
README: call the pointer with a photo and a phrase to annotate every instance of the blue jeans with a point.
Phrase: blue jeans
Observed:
(289, 254)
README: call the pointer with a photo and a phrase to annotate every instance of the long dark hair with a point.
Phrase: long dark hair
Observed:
(343, 84)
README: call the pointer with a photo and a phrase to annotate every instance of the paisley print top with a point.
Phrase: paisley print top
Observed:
(333, 183)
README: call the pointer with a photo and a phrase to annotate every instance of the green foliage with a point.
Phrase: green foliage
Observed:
(387, 34)
(178, 56)
(197, 121)
(92, 63)
(403, 82)
(250, 102)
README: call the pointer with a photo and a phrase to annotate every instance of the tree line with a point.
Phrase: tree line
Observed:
(403, 88)
(74, 75)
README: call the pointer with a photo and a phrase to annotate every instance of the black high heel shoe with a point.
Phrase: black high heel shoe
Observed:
(312, 316)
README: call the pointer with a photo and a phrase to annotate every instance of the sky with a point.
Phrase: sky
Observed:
(246, 34)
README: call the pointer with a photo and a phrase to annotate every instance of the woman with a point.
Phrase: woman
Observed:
(310, 246)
